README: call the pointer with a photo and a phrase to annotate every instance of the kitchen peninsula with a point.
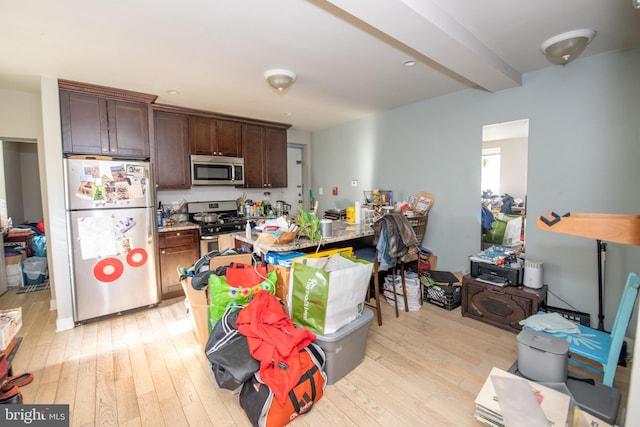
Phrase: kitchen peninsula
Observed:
(343, 234)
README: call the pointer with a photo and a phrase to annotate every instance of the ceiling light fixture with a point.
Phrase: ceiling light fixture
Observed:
(172, 92)
(566, 47)
(636, 3)
(409, 63)
(280, 79)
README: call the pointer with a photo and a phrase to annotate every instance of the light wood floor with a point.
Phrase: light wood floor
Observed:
(146, 368)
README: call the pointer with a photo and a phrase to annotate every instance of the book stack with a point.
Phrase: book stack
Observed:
(412, 284)
(508, 400)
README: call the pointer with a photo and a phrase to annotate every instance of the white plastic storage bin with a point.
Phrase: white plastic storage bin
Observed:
(35, 270)
(345, 347)
(15, 277)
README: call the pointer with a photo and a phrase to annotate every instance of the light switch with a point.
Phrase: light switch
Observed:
(321, 191)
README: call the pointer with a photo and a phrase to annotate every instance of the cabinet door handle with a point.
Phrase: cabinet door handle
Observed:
(164, 252)
(177, 234)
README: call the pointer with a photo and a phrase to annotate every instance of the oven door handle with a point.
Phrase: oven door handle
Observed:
(209, 238)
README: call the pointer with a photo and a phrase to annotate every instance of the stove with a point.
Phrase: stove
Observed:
(227, 220)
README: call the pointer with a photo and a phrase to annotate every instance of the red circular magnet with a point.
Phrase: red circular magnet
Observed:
(108, 269)
(137, 257)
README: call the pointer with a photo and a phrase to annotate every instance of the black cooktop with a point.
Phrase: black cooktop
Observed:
(227, 217)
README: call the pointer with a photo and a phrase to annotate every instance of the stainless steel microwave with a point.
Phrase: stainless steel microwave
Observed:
(217, 170)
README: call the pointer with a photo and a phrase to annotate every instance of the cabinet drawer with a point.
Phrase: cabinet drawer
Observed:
(170, 239)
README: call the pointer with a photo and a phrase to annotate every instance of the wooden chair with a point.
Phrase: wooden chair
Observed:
(372, 254)
(602, 347)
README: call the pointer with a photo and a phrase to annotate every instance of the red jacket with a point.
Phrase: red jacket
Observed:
(275, 342)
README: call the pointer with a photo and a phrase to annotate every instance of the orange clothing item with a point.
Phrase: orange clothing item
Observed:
(275, 342)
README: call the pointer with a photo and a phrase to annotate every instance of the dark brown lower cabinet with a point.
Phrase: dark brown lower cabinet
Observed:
(503, 307)
(177, 249)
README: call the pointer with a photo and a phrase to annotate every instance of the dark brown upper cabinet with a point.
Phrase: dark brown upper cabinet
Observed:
(265, 156)
(104, 121)
(171, 162)
(214, 137)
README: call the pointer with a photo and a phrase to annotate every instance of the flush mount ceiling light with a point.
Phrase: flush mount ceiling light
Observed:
(280, 79)
(566, 47)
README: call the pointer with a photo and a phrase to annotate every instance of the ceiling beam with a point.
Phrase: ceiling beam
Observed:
(424, 27)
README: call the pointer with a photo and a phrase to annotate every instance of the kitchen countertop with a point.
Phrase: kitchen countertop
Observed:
(341, 231)
(179, 226)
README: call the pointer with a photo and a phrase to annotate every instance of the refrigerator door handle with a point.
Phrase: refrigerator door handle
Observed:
(150, 222)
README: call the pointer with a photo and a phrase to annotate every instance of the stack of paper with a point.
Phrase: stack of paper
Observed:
(508, 400)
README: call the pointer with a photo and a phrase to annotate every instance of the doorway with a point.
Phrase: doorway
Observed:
(22, 198)
(294, 193)
(504, 161)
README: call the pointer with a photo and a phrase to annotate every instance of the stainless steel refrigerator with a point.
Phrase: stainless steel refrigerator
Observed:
(110, 214)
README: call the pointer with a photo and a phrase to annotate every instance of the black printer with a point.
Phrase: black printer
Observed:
(512, 275)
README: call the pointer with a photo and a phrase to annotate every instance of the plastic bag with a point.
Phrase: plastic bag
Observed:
(40, 246)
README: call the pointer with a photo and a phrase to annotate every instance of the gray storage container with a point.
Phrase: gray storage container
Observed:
(542, 357)
(345, 347)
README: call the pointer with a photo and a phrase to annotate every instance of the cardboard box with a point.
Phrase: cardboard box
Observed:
(198, 300)
(198, 312)
(10, 324)
(427, 260)
(11, 259)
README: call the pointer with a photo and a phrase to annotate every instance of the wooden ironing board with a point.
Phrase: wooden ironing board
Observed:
(616, 228)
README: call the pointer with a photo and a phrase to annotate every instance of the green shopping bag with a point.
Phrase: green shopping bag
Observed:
(327, 293)
(222, 295)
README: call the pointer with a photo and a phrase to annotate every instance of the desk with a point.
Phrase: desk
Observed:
(341, 233)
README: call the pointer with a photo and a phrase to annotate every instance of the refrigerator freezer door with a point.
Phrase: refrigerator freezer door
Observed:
(102, 184)
(113, 259)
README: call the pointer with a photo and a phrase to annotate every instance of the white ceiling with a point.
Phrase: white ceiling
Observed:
(347, 54)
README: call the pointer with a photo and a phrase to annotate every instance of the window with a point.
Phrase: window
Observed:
(491, 170)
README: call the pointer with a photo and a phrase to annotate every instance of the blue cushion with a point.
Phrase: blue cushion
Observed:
(368, 254)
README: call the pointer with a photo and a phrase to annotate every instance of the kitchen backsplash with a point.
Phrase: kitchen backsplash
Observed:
(205, 194)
